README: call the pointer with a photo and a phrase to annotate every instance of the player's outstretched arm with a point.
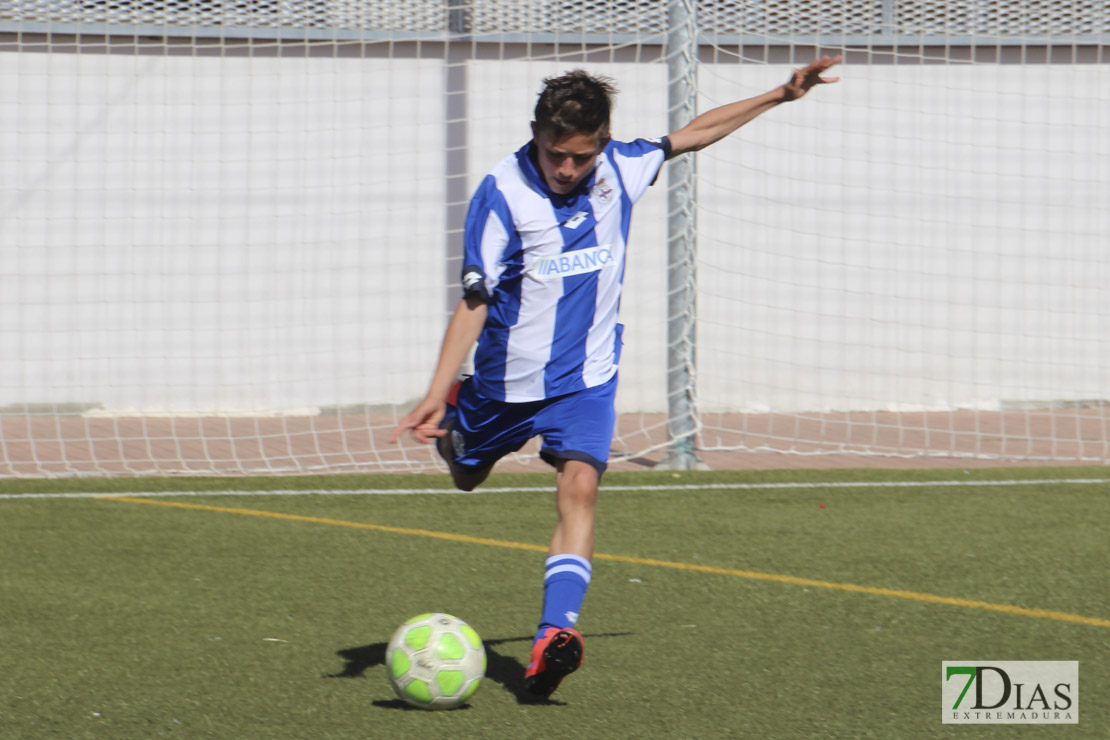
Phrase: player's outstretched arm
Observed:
(712, 126)
(462, 331)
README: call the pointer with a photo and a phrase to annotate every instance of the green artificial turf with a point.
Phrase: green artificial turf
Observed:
(719, 608)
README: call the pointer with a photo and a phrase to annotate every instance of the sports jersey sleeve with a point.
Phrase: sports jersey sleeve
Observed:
(488, 234)
(639, 163)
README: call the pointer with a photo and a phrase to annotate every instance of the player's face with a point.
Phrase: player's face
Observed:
(565, 160)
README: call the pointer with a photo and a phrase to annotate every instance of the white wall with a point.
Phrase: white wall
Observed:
(184, 234)
(242, 234)
(913, 237)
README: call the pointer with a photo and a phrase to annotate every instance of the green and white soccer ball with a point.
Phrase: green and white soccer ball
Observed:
(435, 661)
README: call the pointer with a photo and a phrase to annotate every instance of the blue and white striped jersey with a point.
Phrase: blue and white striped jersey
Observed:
(550, 268)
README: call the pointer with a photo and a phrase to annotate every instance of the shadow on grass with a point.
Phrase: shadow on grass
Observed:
(500, 668)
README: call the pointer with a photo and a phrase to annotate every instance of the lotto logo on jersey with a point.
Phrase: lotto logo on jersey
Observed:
(578, 262)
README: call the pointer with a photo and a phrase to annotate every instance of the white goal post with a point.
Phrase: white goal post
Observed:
(230, 232)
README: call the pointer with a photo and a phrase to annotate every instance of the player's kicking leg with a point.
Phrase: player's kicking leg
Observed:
(465, 480)
(450, 446)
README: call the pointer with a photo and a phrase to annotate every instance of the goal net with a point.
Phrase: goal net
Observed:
(230, 232)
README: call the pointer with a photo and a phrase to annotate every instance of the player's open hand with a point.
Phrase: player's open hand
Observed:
(423, 421)
(802, 80)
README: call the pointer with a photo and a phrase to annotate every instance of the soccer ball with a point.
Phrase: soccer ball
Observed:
(435, 661)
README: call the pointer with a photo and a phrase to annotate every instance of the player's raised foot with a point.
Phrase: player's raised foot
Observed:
(445, 446)
(449, 446)
(556, 655)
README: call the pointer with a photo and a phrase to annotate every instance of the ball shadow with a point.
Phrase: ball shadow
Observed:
(500, 668)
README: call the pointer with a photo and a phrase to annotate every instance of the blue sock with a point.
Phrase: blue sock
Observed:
(565, 580)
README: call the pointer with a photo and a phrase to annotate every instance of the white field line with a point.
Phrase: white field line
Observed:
(605, 489)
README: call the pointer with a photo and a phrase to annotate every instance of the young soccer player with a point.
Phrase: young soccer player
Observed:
(544, 251)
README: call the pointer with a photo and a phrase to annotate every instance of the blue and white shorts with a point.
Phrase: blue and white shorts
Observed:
(575, 426)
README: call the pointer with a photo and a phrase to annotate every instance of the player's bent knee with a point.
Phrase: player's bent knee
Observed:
(578, 487)
(581, 500)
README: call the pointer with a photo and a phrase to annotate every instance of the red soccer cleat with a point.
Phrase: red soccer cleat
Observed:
(555, 656)
(453, 394)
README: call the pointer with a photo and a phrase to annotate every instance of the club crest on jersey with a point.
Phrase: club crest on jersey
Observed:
(577, 262)
(601, 191)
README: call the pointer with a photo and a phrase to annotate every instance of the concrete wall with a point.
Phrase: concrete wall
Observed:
(181, 235)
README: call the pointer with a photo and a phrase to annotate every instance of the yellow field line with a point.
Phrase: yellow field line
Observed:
(693, 567)
(873, 590)
(333, 522)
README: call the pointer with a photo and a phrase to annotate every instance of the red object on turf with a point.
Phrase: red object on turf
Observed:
(555, 656)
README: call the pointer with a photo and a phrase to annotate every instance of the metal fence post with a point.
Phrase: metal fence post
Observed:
(457, 53)
(682, 70)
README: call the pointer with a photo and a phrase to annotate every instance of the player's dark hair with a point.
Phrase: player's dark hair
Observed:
(575, 103)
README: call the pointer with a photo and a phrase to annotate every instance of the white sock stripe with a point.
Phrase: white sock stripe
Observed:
(569, 568)
(568, 558)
